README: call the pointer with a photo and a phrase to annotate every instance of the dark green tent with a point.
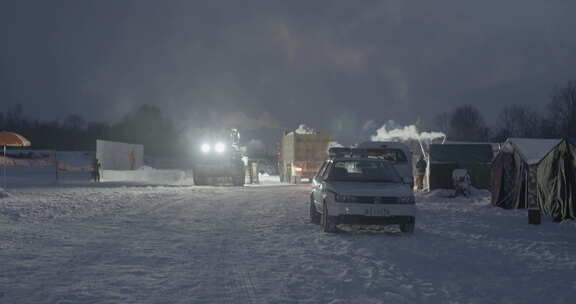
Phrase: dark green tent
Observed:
(536, 173)
(445, 158)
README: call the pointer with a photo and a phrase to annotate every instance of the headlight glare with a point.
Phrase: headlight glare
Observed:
(220, 147)
(205, 148)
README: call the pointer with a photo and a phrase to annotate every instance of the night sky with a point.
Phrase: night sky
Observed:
(333, 65)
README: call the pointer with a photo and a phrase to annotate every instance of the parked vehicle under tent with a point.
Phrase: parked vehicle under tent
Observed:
(536, 173)
(445, 158)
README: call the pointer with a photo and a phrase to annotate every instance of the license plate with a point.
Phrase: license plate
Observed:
(376, 212)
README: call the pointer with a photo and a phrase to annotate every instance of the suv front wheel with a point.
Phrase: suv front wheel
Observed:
(328, 222)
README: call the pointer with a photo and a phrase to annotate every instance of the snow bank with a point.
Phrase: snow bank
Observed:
(447, 195)
(147, 175)
(35, 177)
(268, 179)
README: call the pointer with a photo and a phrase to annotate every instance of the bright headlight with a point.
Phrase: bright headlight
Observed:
(220, 147)
(205, 148)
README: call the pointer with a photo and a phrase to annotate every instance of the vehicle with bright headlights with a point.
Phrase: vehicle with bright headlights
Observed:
(219, 159)
(361, 190)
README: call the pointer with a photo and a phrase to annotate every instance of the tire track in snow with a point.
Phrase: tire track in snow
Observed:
(374, 273)
(249, 273)
(245, 285)
(221, 278)
(242, 284)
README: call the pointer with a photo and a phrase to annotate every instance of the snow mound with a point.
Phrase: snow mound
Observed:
(147, 175)
(266, 178)
(444, 195)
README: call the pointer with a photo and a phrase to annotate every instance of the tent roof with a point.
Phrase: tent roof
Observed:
(461, 153)
(533, 149)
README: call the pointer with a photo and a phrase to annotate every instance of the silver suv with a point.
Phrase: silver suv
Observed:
(361, 190)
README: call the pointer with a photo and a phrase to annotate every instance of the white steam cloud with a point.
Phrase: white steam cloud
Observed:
(392, 132)
(370, 126)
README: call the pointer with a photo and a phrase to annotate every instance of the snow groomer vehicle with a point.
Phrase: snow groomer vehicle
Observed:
(358, 186)
(219, 159)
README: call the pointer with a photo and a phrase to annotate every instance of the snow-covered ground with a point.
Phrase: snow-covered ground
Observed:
(75, 242)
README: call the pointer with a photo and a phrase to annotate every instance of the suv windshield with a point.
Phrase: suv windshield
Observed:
(367, 171)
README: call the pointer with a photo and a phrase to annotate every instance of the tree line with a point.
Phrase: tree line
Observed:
(558, 120)
(145, 125)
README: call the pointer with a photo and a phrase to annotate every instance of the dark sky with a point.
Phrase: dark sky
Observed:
(331, 64)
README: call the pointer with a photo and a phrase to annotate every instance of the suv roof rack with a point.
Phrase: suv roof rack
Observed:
(339, 152)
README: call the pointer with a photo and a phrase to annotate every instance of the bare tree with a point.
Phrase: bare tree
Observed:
(467, 123)
(562, 109)
(442, 122)
(74, 121)
(14, 117)
(519, 121)
(548, 128)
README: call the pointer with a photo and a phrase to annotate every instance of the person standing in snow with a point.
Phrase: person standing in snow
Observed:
(96, 170)
(420, 172)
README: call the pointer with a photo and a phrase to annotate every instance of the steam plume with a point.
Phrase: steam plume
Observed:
(392, 132)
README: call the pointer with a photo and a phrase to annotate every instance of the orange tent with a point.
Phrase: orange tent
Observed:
(11, 139)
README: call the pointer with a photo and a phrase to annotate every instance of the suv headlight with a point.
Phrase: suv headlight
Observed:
(345, 198)
(406, 200)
